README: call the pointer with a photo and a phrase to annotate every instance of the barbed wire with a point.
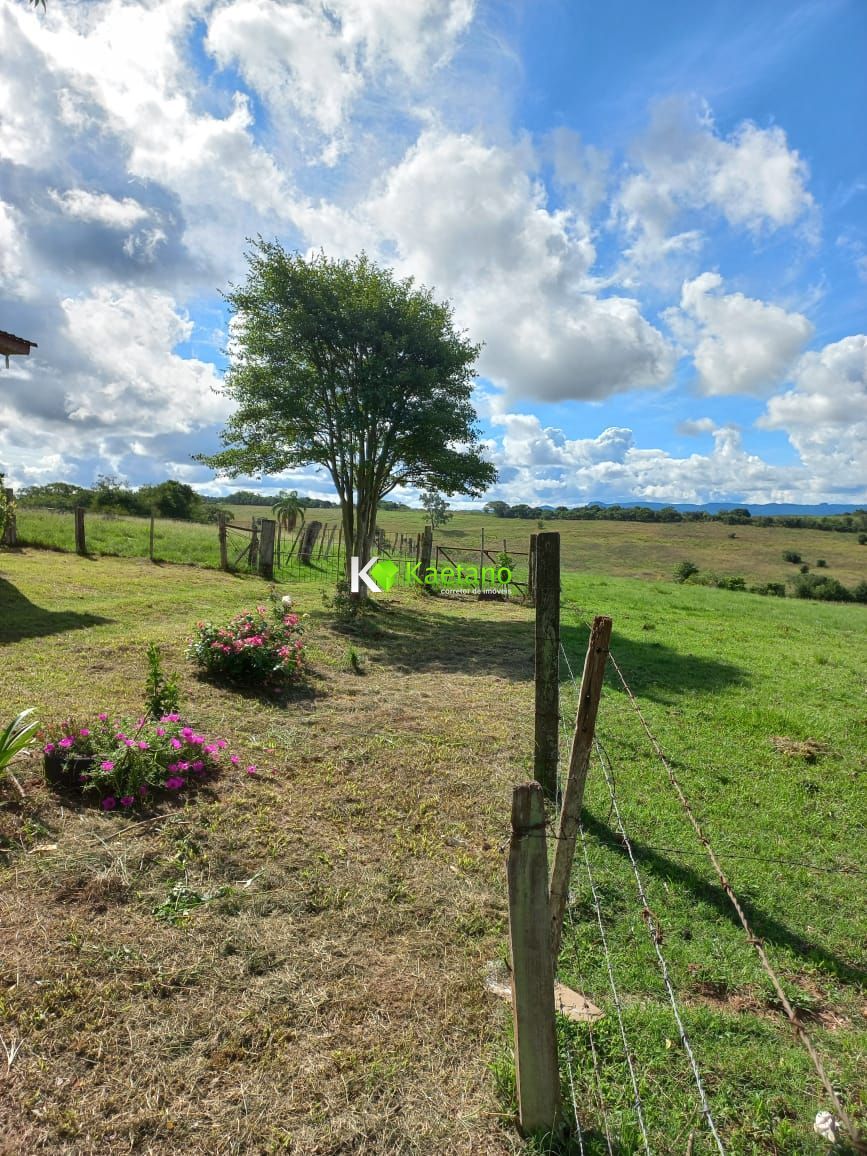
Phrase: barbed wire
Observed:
(802, 1036)
(655, 936)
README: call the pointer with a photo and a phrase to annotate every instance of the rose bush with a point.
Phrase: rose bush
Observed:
(258, 646)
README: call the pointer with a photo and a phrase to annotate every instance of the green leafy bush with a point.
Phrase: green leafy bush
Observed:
(684, 570)
(860, 592)
(791, 556)
(732, 582)
(821, 563)
(862, 539)
(772, 589)
(821, 587)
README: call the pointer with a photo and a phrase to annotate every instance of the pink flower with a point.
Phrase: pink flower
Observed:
(126, 800)
(234, 760)
(161, 731)
(221, 743)
(174, 783)
(84, 732)
(176, 744)
(66, 742)
(251, 770)
(109, 803)
(143, 746)
(48, 748)
(106, 766)
(102, 717)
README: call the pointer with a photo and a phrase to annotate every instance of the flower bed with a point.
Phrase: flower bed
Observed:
(262, 647)
(123, 764)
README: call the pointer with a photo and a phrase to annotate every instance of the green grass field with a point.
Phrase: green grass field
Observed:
(618, 549)
(326, 994)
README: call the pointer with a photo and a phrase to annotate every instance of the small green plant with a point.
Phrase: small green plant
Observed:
(821, 563)
(862, 539)
(343, 605)
(354, 660)
(161, 694)
(505, 561)
(791, 556)
(684, 570)
(16, 738)
(860, 592)
(732, 582)
(773, 589)
(804, 568)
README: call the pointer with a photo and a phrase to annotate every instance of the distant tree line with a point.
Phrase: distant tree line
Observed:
(737, 516)
(170, 499)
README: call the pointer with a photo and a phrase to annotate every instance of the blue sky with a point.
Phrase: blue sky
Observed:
(653, 216)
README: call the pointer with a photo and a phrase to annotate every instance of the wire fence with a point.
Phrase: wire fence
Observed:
(655, 935)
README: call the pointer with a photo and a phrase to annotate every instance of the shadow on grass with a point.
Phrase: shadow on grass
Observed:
(432, 640)
(283, 695)
(20, 618)
(766, 927)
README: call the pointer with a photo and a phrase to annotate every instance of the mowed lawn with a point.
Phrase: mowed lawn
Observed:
(320, 989)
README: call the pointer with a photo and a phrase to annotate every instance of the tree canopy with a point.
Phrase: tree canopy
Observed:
(337, 363)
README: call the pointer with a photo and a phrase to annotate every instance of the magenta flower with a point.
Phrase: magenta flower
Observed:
(106, 766)
(176, 744)
(66, 742)
(102, 717)
(251, 770)
(109, 803)
(127, 800)
(174, 783)
(143, 746)
(234, 760)
(161, 731)
(142, 790)
(84, 732)
(48, 748)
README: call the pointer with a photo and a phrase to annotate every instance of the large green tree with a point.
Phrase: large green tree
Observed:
(342, 365)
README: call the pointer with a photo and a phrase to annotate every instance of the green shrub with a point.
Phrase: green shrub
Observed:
(791, 556)
(772, 589)
(821, 587)
(821, 563)
(860, 592)
(862, 539)
(804, 568)
(684, 570)
(732, 582)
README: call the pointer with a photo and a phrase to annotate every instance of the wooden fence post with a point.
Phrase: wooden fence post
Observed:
(254, 545)
(224, 552)
(547, 674)
(426, 549)
(80, 544)
(10, 531)
(536, 1067)
(531, 564)
(579, 760)
(151, 538)
(266, 548)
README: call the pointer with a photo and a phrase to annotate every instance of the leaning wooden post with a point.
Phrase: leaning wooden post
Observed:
(266, 548)
(224, 552)
(536, 1068)
(151, 538)
(531, 562)
(579, 760)
(547, 661)
(80, 544)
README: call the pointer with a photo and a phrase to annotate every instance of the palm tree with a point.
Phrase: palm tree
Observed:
(287, 510)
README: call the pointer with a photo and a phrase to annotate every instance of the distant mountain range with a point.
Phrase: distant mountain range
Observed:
(769, 510)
